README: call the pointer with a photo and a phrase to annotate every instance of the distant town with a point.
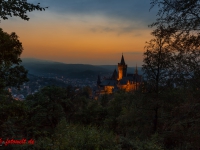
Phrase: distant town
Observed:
(36, 83)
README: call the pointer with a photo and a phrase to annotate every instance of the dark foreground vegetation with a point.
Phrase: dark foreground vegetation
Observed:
(59, 118)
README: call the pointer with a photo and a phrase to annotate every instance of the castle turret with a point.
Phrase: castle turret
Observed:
(114, 75)
(122, 68)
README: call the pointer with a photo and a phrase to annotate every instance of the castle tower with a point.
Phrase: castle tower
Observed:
(122, 68)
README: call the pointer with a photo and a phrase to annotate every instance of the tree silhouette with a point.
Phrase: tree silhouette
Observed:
(11, 72)
(181, 19)
(157, 69)
(183, 15)
(157, 60)
(17, 8)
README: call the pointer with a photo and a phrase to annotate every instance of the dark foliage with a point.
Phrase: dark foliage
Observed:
(9, 8)
(11, 72)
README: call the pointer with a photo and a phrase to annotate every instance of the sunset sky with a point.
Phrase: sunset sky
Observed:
(85, 31)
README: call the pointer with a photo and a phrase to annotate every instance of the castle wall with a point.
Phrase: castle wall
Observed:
(129, 87)
(109, 89)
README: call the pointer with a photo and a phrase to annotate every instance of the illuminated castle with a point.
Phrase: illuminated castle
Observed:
(119, 80)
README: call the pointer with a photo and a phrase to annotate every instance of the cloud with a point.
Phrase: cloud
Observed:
(124, 10)
(119, 28)
(102, 29)
(134, 53)
(130, 53)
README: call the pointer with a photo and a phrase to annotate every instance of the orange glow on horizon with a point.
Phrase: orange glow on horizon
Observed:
(74, 42)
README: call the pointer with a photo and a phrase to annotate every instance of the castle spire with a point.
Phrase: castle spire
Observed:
(122, 60)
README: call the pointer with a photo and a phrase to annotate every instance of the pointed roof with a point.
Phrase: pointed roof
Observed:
(114, 75)
(122, 60)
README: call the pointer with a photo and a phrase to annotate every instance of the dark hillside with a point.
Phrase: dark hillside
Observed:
(50, 68)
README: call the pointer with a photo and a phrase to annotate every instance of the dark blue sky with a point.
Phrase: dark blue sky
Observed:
(127, 10)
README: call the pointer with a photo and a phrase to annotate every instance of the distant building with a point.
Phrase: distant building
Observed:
(119, 80)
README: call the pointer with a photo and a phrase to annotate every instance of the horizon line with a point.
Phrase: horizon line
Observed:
(48, 60)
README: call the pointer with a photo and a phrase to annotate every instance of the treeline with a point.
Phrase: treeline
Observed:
(59, 118)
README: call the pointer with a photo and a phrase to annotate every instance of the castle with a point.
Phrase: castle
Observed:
(120, 80)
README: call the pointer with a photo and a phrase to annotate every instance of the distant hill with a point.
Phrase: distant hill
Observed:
(49, 68)
(129, 70)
